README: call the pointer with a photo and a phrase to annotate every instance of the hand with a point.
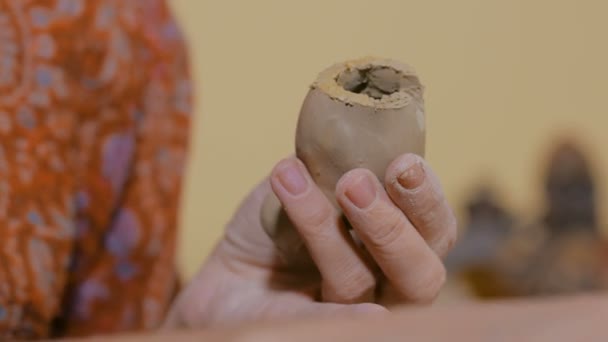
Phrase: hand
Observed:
(404, 231)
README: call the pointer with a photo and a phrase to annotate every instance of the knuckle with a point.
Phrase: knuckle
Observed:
(428, 287)
(317, 219)
(446, 240)
(452, 232)
(385, 231)
(427, 210)
(354, 288)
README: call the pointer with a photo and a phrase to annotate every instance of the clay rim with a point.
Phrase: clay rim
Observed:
(327, 83)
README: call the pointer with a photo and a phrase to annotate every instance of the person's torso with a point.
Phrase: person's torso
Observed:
(94, 112)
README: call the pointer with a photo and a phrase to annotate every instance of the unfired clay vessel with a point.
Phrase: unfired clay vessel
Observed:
(357, 114)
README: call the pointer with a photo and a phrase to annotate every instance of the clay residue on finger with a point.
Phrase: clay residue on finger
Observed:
(371, 82)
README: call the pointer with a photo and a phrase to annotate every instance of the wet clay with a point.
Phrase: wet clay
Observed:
(357, 114)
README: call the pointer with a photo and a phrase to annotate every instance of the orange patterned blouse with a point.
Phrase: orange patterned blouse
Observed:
(94, 123)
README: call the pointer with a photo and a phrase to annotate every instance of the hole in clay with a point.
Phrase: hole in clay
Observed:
(374, 82)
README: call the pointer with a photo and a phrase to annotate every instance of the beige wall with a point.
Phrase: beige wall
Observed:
(503, 78)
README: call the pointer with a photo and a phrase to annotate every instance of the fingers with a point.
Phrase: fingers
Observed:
(411, 266)
(346, 278)
(416, 191)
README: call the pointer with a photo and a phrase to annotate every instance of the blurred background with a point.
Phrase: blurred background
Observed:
(516, 117)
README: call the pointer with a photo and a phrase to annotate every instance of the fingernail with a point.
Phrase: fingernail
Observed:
(412, 177)
(361, 192)
(291, 178)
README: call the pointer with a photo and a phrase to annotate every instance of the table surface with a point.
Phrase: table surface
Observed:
(575, 318)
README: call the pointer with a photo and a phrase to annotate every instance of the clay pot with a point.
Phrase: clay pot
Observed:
(357, 114)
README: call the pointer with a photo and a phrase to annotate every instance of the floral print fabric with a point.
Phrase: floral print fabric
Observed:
(94, 121)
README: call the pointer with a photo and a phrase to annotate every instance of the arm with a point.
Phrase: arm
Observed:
(140, 147)
(80, 168)
(36, 208)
